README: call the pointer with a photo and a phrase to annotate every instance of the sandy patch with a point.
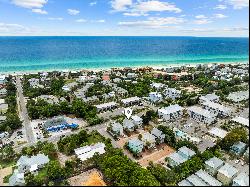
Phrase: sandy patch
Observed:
(156, 155)
(4, 172)
(89, 178)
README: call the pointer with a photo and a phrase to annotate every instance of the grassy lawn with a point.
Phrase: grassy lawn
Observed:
(69, 81)
(95, 138)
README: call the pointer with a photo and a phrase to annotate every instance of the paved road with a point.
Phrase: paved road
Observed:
(23, 113)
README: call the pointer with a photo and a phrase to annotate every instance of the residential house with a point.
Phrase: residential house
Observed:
(2, 118)
(128, 125)
(27, 164)
(3, 108)
(238, 148)
(172, 93)
(213, 165)
(159, 136)
(86, 152)
(186, 152)
(217, 109)
(226, 174)
(211, 181)
(241, 180)
(246, 154)
(68, 87)
(196, 181)
(135, 145)
(217, 132)
(179, 157)
(158, 86)
(51, 99)
(2, 79)
(155, 97)
(238, 96)
(106, 106)
(131, 75)
(3, 92)
(209, 97)
(240, 120)
(137, 121)
(131, 101)
(35, 83)
(117, 129)
(201, 115)
(148, 140)
(171, 112)
(17, 179)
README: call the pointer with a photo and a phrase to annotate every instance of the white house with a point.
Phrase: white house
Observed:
(213, 165)
(155, 97)
(209, 97)
(201, 115)
(2, 79)
(128, 125)
(172, 93)
(157, 86)
(226, 174)
(216, 108)
(68, 87)
(137, 121)
(51, 99)
(159, 136)
(87, 152)
(27, 164)
(131, 101)
(171, 112)
(106, 106)
(148, 140)
(217, 132)
(241, 180)
(238, 96)
(181, 156)
(131, 75)
(117, 129)
(240, 120)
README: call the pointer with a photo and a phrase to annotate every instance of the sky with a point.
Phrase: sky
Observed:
(226, 18)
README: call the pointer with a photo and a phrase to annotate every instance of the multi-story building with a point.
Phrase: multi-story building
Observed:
(172, 93)
(201, 115)
(170, 113)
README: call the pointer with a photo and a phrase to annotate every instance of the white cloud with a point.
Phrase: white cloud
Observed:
(81, 20)
(30, 3)
(142, 7)
(121, 5)
(55, 19)
(134, 14)
(154, 22)
(220, 16)
(39, 11)
(238, 4)
(155, 6)
(73, 12)
(200, 17)
(92, 3)
(202, 21)
(220, 7)
(99, 21)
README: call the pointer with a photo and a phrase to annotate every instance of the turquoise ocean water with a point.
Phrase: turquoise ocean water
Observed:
(19, 54)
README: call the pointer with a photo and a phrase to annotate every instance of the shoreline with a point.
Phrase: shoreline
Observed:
(160, 66)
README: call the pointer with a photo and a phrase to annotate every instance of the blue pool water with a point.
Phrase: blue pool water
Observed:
(18, 54)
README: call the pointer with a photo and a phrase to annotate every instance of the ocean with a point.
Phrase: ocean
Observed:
(23, 54)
